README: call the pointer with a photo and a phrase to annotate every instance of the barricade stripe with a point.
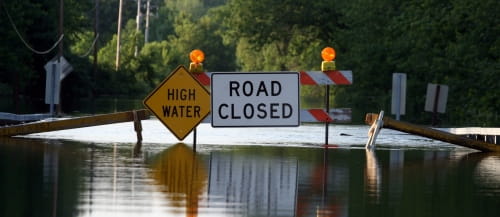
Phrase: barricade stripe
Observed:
(347, 75)
(306, 117)
(320, 115)
(320, 78)
(338, 77)
(306, 78)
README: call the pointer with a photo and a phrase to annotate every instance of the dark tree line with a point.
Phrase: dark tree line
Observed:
(433, 41)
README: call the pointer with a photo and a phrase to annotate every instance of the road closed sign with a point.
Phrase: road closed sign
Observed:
(255, 99)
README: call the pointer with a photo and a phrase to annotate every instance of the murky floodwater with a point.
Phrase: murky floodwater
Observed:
(243, 172)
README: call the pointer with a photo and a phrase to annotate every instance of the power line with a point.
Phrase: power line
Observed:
(26, 43)
(90, 48)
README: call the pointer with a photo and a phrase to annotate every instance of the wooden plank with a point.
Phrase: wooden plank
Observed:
(46, 126)
(433, 134)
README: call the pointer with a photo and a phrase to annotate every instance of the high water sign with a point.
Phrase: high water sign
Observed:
(180, 102)
(255, 99)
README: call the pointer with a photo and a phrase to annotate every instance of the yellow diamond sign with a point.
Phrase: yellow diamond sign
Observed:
(180, 102)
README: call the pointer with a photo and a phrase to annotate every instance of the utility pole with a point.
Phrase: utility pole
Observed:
(60, 54)
(117, 63)
(96, 33)
(61, 26)
(138, 28)
(146, 33)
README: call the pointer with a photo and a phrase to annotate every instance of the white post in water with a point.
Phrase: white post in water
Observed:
(374, 130)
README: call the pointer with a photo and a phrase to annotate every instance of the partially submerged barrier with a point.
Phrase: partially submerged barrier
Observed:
(432, 133)
(64, 124)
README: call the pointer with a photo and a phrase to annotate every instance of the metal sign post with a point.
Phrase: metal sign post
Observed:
(327, 108)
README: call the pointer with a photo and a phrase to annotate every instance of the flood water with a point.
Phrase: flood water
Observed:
(243, 172)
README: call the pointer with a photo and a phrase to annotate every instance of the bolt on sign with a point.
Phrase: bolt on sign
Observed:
(180, 102)
(255, 99)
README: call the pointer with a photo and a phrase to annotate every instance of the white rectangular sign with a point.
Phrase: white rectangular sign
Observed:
(398, 105)
(436, 93)
(255, 99)
(52, 83)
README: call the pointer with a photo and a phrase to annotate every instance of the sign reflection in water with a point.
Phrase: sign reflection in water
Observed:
(182, 175)
(43, 178)
(256, 184)
(372, 175)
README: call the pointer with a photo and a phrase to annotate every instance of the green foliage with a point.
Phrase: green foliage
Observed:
(123, 80)
(154, 61)
(283, 35)
(434, 41)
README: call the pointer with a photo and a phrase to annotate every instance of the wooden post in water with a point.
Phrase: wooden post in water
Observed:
(137, 126)
(433, 134)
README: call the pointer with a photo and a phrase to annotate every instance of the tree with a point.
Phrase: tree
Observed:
(122, 81)
(35, 22)
(281, 28)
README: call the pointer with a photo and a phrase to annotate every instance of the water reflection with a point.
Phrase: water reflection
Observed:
(52, 178)
(51, 173)
(35, 178)
(253, 182)
(182, 175)
(485, 168)
(372, 175)
(324, 184)
(396, 178)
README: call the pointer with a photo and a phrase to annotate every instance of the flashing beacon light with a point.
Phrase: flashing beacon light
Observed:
(328, 54)
(197, 57)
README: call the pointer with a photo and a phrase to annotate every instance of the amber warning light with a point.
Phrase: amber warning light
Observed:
(328, 54)
(197, 57)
